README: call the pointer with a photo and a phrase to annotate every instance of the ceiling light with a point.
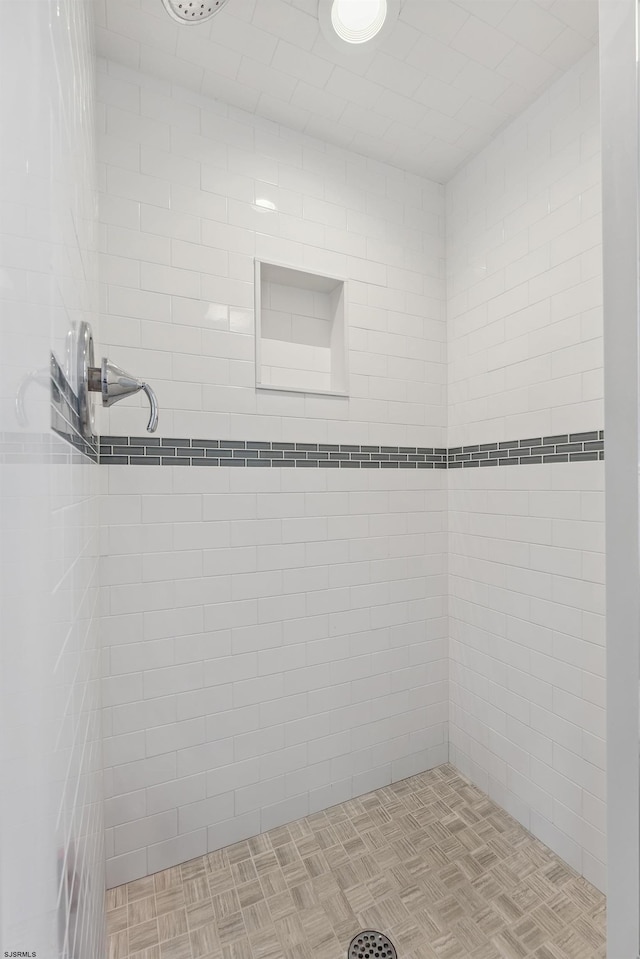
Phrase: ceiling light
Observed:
(358, 27)
(357, 21)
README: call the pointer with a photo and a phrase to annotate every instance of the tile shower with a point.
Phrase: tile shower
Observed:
(310, 605)
(276, 638)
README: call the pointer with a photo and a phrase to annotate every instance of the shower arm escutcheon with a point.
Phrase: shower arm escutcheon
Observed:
(115, 384)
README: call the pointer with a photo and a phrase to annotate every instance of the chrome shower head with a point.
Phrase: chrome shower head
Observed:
(193, 11)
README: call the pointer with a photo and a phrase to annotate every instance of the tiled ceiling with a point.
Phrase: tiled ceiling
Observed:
(440, 85)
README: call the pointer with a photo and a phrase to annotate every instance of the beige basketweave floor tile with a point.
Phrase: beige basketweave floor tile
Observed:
(431, 862)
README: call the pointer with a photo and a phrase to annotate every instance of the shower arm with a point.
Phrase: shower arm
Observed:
(115, 384)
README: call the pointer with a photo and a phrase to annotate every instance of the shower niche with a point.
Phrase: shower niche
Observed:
(301, 331)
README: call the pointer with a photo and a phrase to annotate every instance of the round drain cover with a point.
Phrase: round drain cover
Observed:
(371, 945)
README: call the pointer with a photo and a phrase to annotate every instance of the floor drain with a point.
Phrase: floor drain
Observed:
(371, 945)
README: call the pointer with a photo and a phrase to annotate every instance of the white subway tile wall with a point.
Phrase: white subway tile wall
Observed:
(274, 644)
(524, 281)
(183, 218)
(52, 840)
(275, 640)
(526, 545)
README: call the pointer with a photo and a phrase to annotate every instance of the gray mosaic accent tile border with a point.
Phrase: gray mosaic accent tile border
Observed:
(560, 448)
(166, 451)
(65, 416)
(144, 451)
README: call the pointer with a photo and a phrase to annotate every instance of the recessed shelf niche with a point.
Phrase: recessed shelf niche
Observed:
(301, 339)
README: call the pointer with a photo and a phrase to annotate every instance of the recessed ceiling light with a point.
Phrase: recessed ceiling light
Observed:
(357, 21)
(357, 26)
